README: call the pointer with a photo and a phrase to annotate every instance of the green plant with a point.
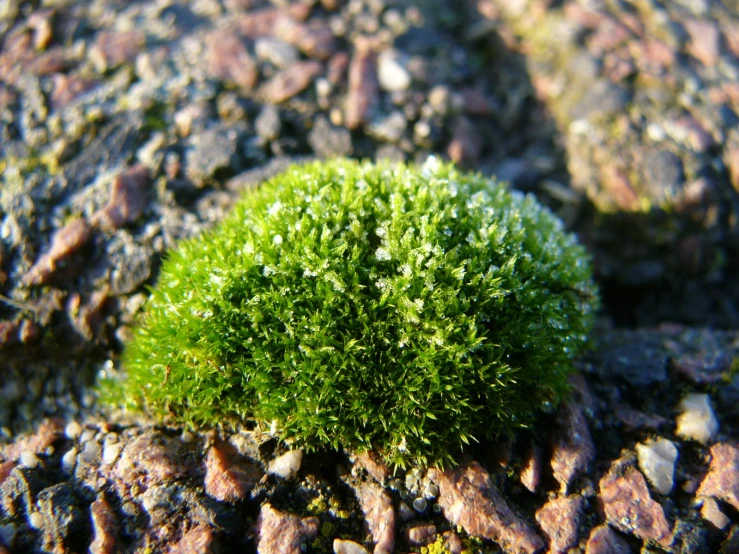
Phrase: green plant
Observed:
(387, 307)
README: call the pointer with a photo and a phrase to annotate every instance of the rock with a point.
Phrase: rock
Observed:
(315, 39)
(287, 465)
(48, 432)
(662, 173)
(66, 88)
(197, 539)
(391, 73)
(68, 240)
(214, 153)
(283, 533)
(530, 474)
(390, 128)
(268, 124)
(604, 540)
(112, 48)
(600, 100)
(371, 462)
(128, 198)
(559, 519)
(696, 420)
(348, 547)
(228, 59)
(420, 535)
(638, 362)
(104, 527)
(151, 456)
(277, 52)
(88, 318)
(573, 449)
(705, 368)
(711, 512)
(722, 481)
(377, 506)
(634, 419)
(227, 478)
(629, 508)
(363, 92)
(328, 141)
(64, 519)
(704, 40)
(466, 143)
(657, 461)
(469, 498)
(291, 81)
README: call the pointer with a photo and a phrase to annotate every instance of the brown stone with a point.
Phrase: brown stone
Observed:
(704, 41)
(261, 23)
(104, 527)
(283, 533)
(530, 475)
(48, 432)
(290, 81)
(652, 54)
(47, 63)
(573, 448)
(227, 478)
(65, 88)
(5, 469)
(420, 535)
(113, 48)
(604, 540)
(88, 318)
(628, 507)
(722, 481)
(453, 543)
(337, 66)
(314, 39)
(559, 519)
(617, 184)
(465, 146)
(9, 332)
(69, 239)
(197, 539)
(128, 198)
(374, 465)
(468, 497)
(363, 86)
(228, 59)
(379, 514)
(151, 457)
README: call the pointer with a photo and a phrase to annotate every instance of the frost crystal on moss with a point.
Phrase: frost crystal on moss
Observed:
(386, 307)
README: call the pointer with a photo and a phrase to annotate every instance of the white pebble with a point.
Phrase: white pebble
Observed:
(391, 74)
(87, 435)
(697, 420)
(111, 452)
(36, 520)
(348, 547)
(657, 461)
(29, 459)
(286, 465)
(90, 452)
(69, 460)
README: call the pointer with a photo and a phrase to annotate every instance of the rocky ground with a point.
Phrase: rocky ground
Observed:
(127, 126)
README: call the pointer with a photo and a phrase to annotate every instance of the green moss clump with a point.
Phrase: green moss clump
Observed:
(407, 310)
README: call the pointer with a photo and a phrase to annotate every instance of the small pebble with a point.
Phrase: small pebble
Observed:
(348, 547)
(431, 491)
(287, 465)
(69, 460)
(391, 74)
(111, 452)
(697, 420)
(36, 520)
(72, 430)
(87, 435)
(91, 452)
(657, 461)
(29, 459)
(420, 505)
